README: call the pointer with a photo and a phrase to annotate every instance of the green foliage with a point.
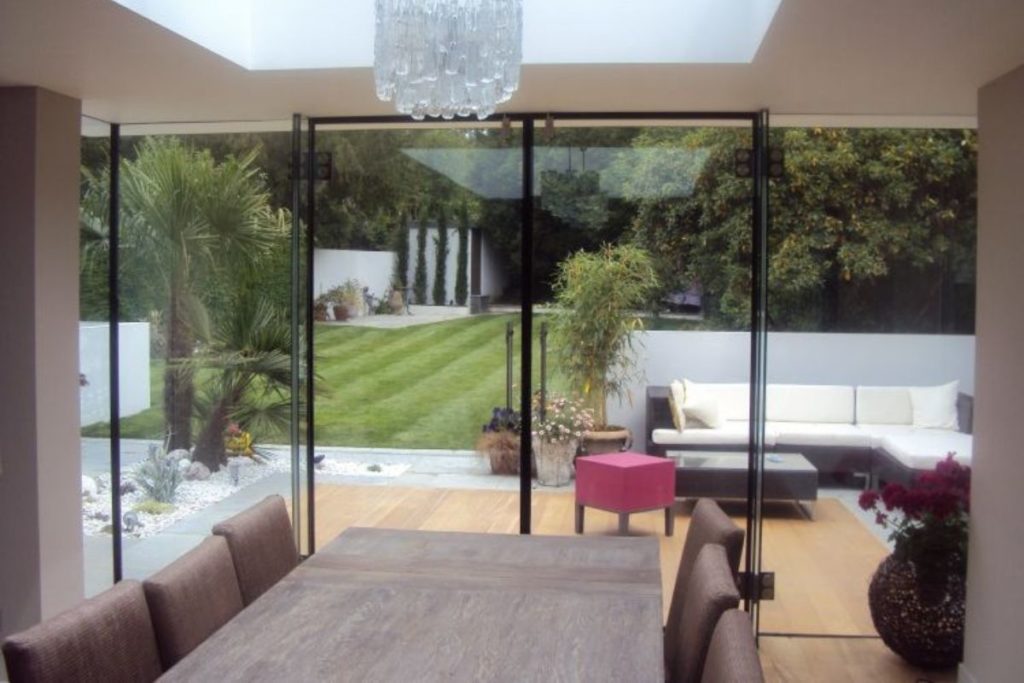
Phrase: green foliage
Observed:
(440, 257)
(419, 282)
(597, 297)
(159, 476)
(462, 258)
(154, 507)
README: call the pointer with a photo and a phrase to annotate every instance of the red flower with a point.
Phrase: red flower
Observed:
(868, 499)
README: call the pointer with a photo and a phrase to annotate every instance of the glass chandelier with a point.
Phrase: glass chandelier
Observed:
(447, 58)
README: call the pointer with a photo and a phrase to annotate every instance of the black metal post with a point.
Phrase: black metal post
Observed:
(509, 336)
(526, 303)
(114, 315)
(543, 369)
(310, 330)
(297, 315)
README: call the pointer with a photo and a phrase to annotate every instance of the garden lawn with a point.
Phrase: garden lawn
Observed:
(425, 386)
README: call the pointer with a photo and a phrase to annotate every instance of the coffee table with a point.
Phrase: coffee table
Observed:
(723, 475)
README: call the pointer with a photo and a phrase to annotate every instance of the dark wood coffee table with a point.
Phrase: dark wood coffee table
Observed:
(723, 476)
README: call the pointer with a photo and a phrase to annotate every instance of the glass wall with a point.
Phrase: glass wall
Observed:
(205, 332)
(641, 281)
(871, 310)
(416, 302)
(94, 355)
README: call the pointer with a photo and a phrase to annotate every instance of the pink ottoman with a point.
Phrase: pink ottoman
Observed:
(625, 483)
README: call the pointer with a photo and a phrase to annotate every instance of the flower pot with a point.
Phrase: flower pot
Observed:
(919, 616)
(341, 312)
(554, 461)
(502, 451)
(395, 302)
(610, 440)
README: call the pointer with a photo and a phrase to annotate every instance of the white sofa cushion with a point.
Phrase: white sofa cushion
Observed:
(922, 449)
(733, 400)
(809, 403)
(935, 407)
(819, 434)
(884, 405)
(878, 432)
(731, 433)
(700, 405)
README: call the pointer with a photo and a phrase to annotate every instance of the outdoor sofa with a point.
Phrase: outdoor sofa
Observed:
(844, 431)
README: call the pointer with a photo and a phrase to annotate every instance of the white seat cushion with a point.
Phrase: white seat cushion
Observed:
(731, 433)
(925, 447)
(878, 432)
(884, 405)
(819, 434)
(809, 403)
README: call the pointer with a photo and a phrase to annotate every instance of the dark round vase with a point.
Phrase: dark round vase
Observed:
(919, 616)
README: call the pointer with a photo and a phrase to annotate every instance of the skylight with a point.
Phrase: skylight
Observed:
(325, 34)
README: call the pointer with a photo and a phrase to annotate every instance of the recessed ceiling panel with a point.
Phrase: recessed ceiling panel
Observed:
(321, 34)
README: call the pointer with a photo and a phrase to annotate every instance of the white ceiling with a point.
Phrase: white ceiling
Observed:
(914, 61)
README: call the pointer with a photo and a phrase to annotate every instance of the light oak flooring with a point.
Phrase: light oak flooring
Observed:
(822, 566)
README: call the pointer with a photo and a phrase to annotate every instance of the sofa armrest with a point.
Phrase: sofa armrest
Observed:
(658, 413)
(965, 412)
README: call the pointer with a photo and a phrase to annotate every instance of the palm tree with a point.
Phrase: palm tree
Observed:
(185, 219)
(250, 359)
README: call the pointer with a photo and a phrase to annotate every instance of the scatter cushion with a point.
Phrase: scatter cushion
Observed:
(676, 400)
(884, 405)
(701, 405)
(935, 407)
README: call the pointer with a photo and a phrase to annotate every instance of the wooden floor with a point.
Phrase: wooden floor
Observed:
(822, 566)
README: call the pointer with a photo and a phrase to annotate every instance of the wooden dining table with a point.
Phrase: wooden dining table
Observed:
(393, 605)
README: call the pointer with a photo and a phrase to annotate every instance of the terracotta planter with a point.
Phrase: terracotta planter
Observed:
(554, 462)
(395, 302)
(920, 617)
(341, 312)
(611, 440)
(502, 451)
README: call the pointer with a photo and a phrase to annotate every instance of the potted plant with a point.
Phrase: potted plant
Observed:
(917, 593)
(557, 430)
(597, 298)
(499, 441)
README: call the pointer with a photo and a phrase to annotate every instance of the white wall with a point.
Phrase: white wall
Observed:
(332, 267)
(94, 363)
(995, 593)
(451, 262)
(40, 462)
(799, 358)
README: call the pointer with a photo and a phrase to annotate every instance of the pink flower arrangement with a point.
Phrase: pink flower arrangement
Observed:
(928, 519)
(564, 419)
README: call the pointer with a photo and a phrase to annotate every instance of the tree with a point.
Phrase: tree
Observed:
(420, 278)
(441, 258)
(186, 219)
(861, 217)
(250, 359)
(462, 257)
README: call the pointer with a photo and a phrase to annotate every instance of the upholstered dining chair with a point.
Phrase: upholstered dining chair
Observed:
(107, 638)
(192, 597)
(262, 545)
(708, 524)
(711, 591)
(732, 655)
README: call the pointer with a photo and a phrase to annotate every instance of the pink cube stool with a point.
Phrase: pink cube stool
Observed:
(625, 483)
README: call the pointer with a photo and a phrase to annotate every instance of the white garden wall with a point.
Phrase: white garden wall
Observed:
(94, 363)
(799, 358)
(332, 267)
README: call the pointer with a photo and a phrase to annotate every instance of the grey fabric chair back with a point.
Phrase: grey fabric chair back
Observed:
(711, 591)
(262, 546)
(708, 524)
(192, 597)
(732, 655)
(108, 639)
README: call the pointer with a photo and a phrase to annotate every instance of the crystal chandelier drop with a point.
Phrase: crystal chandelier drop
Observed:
(447, 58)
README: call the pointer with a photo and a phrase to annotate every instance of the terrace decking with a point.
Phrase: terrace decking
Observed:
(822, 567)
